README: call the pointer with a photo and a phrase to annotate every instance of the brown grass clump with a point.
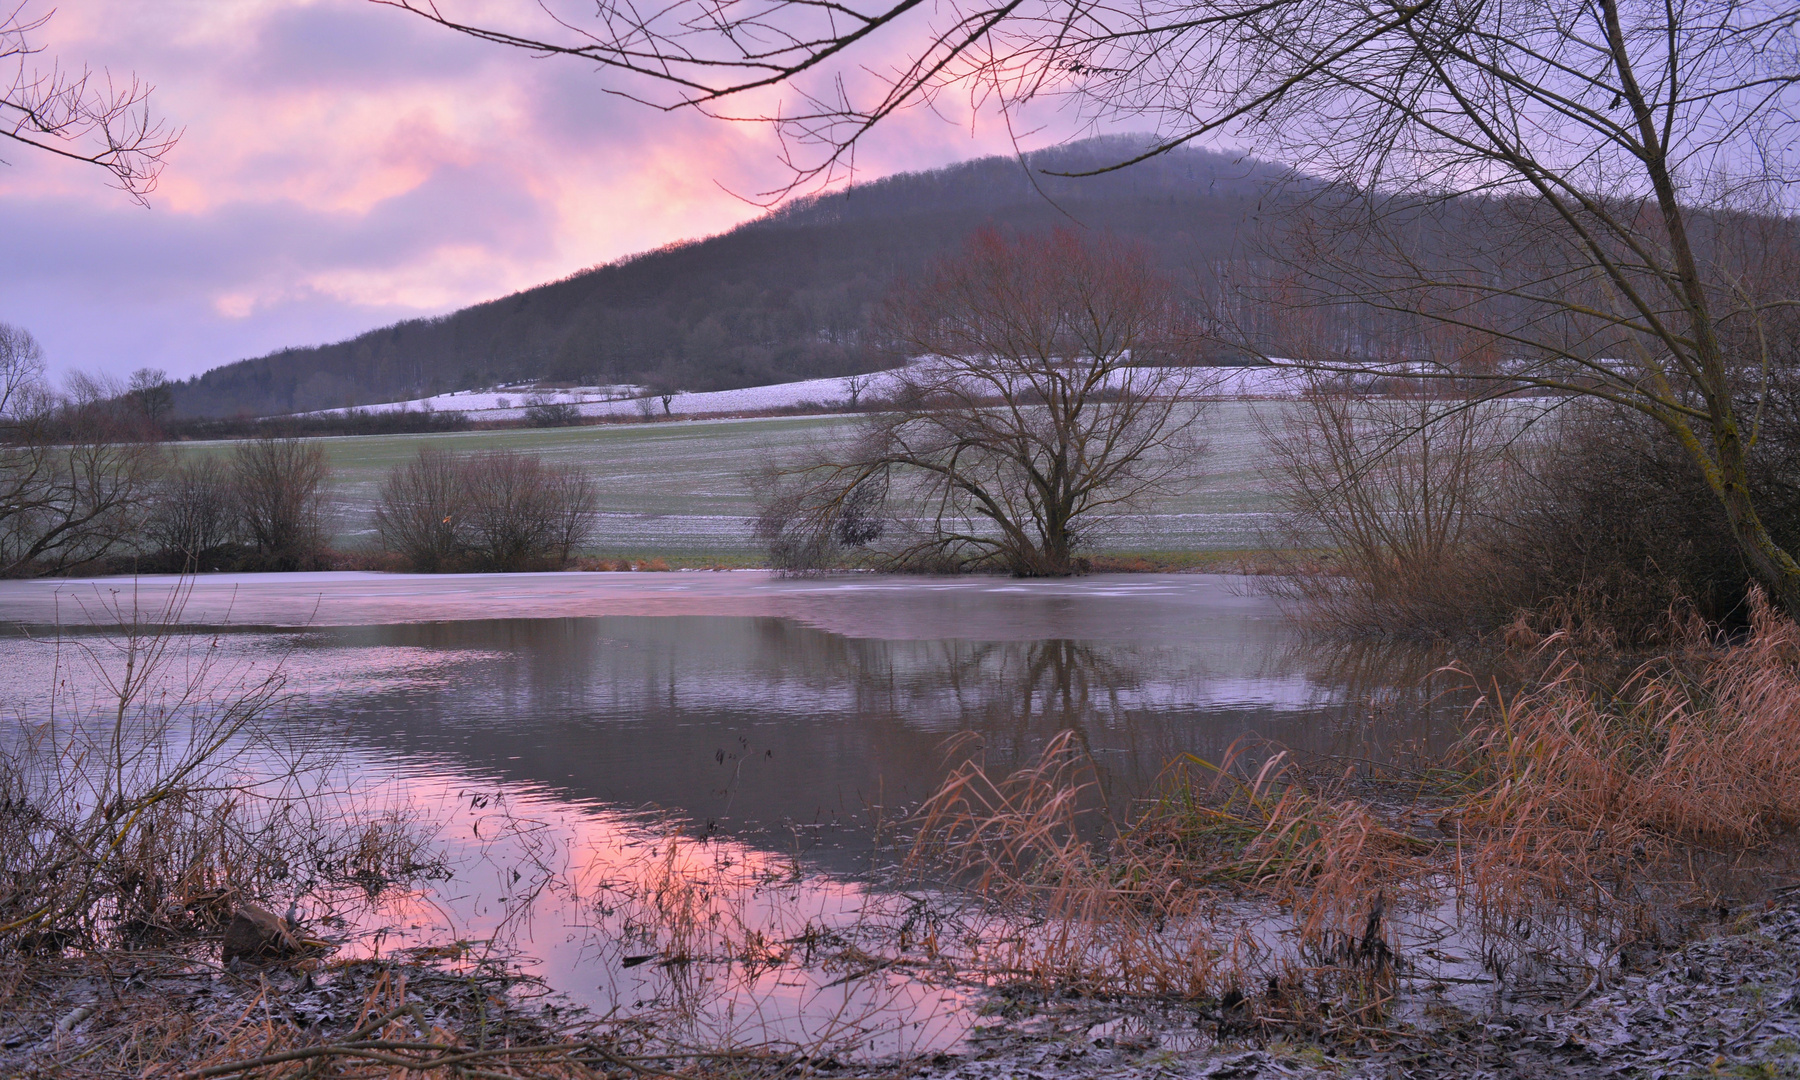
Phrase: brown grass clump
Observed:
(1604, 808)
(1158, 907)
(1584, 821)
(1105, 906)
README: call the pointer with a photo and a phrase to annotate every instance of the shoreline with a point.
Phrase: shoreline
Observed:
(1724, 1004)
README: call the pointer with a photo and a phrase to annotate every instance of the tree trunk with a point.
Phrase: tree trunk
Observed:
(1768, 560)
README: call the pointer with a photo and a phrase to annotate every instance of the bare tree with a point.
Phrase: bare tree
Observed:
(193, 512)
(512, 516)
(422, 510)
(73, 482)
(78, 115)
(1386, 506)
(1023, 424)
(578, 509)
(282, 499)
(149, 390)
(856, 386)
(500, 510)
(23, 392)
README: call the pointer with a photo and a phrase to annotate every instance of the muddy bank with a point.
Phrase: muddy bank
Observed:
(1725, 1005)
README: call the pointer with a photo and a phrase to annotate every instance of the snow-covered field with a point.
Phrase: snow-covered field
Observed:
(510, 403)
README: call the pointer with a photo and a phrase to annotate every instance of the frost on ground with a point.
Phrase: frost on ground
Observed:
(510, 403)
(1723, 1006)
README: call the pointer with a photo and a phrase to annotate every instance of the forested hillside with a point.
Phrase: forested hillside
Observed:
(788, 296)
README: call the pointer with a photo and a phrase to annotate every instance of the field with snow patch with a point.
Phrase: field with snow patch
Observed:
(680, 489)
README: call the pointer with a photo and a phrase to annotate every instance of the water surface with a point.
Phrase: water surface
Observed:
(746, 734)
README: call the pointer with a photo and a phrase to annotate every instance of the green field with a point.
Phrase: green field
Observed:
(680, 490)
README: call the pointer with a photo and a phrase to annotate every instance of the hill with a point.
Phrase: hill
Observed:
(785, 297)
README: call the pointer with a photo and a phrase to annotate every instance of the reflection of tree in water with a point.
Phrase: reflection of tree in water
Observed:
(755, 719)
(1403, 701)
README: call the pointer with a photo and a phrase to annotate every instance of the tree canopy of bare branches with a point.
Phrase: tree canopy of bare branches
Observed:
(498, 510)
(281, 488)
(1021, 425)
(74, 474)
(77, 114)
(1586, 200)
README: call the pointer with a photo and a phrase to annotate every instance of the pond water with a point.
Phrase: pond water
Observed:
(618, 760)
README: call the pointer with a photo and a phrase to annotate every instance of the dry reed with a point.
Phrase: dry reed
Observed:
(158, 807)
(1599, 809)
(1583, 820)
(1156, 908)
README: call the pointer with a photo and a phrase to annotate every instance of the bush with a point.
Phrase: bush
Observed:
(1387, 500)
(150, 811)
(1427, 518)
(541, 412)
(1613, 524)
(498, 510)
(350, 422)
(193, 518)
(523, 514)
(282, 501)
(420, 513)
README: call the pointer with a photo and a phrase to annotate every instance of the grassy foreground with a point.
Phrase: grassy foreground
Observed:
(681, 490)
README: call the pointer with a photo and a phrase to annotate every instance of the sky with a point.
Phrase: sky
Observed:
(344, 165)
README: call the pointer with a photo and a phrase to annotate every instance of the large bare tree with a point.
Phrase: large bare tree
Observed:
(1582, 196)
(1048, 392)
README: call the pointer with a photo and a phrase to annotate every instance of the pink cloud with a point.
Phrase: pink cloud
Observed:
(345, 165)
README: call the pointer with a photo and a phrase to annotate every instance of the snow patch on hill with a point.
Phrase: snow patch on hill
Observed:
(511, 402)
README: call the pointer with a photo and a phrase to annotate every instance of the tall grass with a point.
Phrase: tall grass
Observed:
(1581, 821)
(1603, 806)
(157, 807)
(1165, 904)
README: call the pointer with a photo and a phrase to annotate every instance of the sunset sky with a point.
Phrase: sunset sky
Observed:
(345, 165)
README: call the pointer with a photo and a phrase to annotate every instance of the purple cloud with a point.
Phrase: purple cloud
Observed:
(345, 166)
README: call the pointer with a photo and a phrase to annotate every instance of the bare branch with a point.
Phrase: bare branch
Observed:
(80, 115)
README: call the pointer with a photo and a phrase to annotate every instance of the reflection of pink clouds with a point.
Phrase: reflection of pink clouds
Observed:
(593, 886)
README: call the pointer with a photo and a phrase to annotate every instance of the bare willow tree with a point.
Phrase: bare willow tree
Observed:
(193, 516)
(1387, 504)
(420, 511)
(74, 114)
(524, 513)
(1588, 195)
(1049, 393)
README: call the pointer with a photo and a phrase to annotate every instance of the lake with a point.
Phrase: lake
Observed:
(591, 745)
